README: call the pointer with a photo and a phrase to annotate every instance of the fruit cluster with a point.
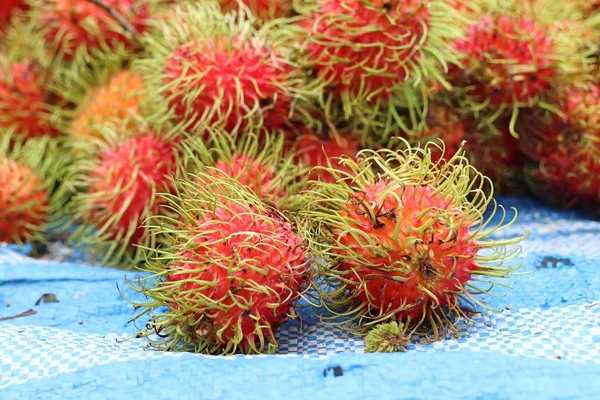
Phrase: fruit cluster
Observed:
(254, 155)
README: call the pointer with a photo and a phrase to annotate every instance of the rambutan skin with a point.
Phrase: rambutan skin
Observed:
(265, 251)
(439, 259)
(363, 47)
(260, 178)
(263, 9)
(232, 77)
(24, 102)
(123, 184)
(24, 202)
(314, 151)
(8, 8)
(564, 149)
(75, 25)
(508, 60)
(115, 103)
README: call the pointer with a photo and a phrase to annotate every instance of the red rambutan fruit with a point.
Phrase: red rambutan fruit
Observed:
(24, 201)
(257, 159)
(7, 9)
(318, 153)
(25, 101)
(85, 26)
(119, 190)
(565, 149)
(263, 9)
(232, 275)
(406, 241)
(29, 172)
(219, 69)
(252, 173)
(507, 60)
(370, 52)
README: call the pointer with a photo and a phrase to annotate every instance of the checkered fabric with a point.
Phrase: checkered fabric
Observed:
(571, 332)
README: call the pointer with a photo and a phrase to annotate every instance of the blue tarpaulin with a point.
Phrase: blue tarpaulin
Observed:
(543, 343)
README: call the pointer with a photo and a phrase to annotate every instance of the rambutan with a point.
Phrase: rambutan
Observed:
(115, 103)
(232, 275)
(84, 27)
(25, 100)
(251, 173)
(7, 9)
(489, 146)
(263, 9)
(513, 55)
(508, 60)
(565, 149)
(24, 200)
(219, 69)
(406, 239)
(367, 53)
(318, 153)
(118, 191)
(256, 159)
(29, 172)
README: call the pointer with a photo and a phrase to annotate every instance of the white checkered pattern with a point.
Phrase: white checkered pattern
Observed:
(571, 332)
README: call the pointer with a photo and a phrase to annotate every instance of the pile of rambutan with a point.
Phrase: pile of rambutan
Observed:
(255, 156)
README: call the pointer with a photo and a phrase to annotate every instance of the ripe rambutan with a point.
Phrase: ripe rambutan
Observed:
(489, 146)
(118, 191)
(318, 153)
(232, 274)
(24, 201)
(25, 100)
(116, 103)
(406, 239)
(508, 60)
(7, 9)
(367, 53)
(29, 172)
(249, 172)
(513, 55)
(84, 27)
(219, 69)
(565, 149)
(256, 159)
(263, 9)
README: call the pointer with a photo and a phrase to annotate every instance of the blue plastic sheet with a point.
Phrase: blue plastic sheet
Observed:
(545, 342)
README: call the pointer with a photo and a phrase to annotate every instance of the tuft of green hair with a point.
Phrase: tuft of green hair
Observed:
(388, 337)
